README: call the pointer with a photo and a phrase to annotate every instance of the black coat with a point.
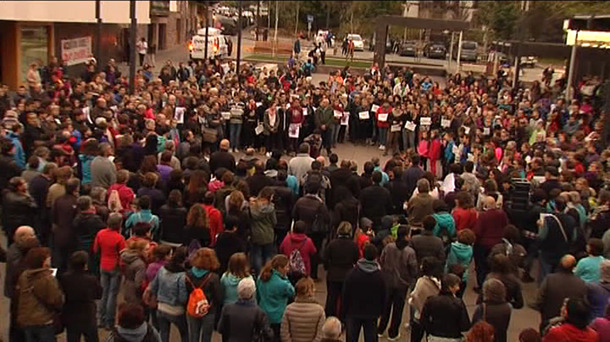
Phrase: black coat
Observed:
(227, 244)
(554, 289)
(427, 245)
(342, 178)
(364, 293)
(496, 314)
(283, 200)
(17, 210)
(347, 210)
(399, 193)
(376, 203)
(257, 182)
(8, 170)
(86, 226)
(410, 177)
(220, 159)
(173, 220)
(306, 209)
(445, 315)
(340, 256)
(81, 290)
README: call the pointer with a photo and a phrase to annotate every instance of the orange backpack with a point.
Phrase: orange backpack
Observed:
(198, 304)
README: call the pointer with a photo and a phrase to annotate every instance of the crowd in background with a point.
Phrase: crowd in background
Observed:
(177, 202)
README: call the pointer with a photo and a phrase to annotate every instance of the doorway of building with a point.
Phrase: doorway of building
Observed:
(162, 36)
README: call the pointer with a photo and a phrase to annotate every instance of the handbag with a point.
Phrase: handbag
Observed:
(210, 135)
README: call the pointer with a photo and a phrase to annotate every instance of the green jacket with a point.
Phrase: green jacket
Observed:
(262, 222)
(273, 296)
(324, 116)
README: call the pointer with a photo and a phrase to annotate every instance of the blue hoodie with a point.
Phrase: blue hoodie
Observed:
(460, 254)
(273, 296)
(85, 162)
(19, 154)
(446, 221)
(229, 284)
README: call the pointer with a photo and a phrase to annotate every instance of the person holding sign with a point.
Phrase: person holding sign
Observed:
(397, 120)
(325, 121)
(296, 121)
(365, 124)
(338, 115)
(382, 117)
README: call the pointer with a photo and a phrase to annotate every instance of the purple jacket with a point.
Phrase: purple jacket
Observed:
(153, 269)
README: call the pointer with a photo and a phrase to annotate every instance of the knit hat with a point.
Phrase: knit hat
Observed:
(604, 268)
(246, 288)
(365, 223)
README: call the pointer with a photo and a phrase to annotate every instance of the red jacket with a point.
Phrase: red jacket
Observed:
(215, 222)
(434, 153)
(108, 243)
(569, 333)
(383, 110)
(489, 228)
(126, 195)
(464, 218)
(301, 242)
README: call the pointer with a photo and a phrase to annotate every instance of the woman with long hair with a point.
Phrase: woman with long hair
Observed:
(197, 226)
(196, 188)
(274, 291)
(202, 276)
(303, 319)
(464, 214)
(238, 269)
(173, 218)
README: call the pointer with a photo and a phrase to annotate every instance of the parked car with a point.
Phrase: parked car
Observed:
(358, 42)
(408, 48)
(435, 50)
(469, 51)
(529, 61)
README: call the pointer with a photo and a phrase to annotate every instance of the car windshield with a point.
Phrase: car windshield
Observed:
(437, 46)
(356, 38)
(469, 45)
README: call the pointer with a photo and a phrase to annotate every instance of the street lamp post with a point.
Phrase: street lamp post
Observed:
(207, 25)
(132, 46)
(239, 29)
(98, 32)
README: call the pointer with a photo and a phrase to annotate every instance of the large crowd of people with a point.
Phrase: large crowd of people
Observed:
(177, 206)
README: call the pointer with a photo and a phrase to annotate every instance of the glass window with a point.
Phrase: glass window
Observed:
(34, 47)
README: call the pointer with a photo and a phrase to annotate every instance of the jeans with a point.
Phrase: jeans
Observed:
(200, 329)
(353, 326)
(547, 266)
(383, 136)
(74, 333)
(408, 139)
(395, 305)
(165, 321)
(335, 132)
(106, 310)
(260, 254)
(480, 254)
(333, 299)
(234, 133)
(40, 333)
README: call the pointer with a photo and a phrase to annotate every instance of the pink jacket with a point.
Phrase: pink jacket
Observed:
(301, 242)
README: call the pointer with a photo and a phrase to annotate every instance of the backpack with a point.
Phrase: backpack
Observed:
(314, 178)
(296, 262)
(198, 305)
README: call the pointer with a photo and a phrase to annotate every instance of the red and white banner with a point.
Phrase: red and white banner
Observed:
(75, 51)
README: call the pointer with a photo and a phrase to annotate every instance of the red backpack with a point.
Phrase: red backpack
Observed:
(198, 305)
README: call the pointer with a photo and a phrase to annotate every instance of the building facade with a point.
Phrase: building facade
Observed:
(36, 31)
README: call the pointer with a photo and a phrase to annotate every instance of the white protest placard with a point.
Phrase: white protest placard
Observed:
(345, 119)
(293, 131)
(374, 108)
(425, 121)
(87, 112)
(395, 128)
(179, 114)
(259, 129)
(466, 129)
(364, 115)
(410, 126)
(225, 115)
(114, 109)
(445, 123)
(305, 112)
(258, 104)
(455, 149)
(486, 131)
(382, 117)
(75, 51)
(337, 114)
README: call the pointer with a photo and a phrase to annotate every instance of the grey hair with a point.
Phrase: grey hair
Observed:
(98, 193)
(331, 328)
(423, 186)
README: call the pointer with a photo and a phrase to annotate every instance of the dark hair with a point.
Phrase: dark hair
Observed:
(432, 267)
(578, 312)
(304, 148)
(208, 198)
(333, 158)
(500, 263)
(560, 204)
(316, 165)
(449, 281)
(78, 260)
(596, 246)
(131, 315)
(402, 232)
(36, 256)
(416, 160)
(511, 233)
(278, 261)
(369, 167)
(144, 202)
(161, 252)
(299, 227)
(429, 222)
(72, 185)
(469, 166)
(370, 252)
(376, 178)
(141, 228)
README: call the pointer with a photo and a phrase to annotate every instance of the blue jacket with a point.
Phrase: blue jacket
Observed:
(444, 220)
(19, 154)
(170, 288)
(229, 284)
(460, 254)
(273, 296)
(144, 215)
(448, 153)
(85, 162)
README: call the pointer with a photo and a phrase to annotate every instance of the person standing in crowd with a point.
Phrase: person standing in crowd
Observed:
(262, 221)
(274, 290)
(494, 309)
(81, 290)
(304, 318)
(598, 293)
(427, 285)
(244, 321)
(325, 121)
(444, 315)
(63, 213)
(18, 207)
(399, 266)
(364, 297)
(557, 232)
(588, 269)
(238, 270)
(556, 287)
(489, 231)
(132, 324)
(103, 171)
(574, 312)
(142, 49)
(202, 277)
(297, 242)
(375, 200)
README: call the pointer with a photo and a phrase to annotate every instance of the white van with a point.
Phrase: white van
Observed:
(217, 44)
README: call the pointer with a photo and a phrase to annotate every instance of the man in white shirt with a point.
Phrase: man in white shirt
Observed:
(142, 47)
